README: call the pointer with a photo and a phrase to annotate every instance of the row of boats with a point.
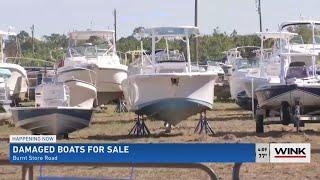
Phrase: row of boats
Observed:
(282, 80)
(163, 83)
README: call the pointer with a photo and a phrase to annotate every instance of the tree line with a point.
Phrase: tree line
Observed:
(53, 47)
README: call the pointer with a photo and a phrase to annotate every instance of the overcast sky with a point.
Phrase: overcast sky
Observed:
(62, 16)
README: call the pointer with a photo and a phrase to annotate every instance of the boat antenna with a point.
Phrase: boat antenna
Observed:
(258, 3)
(91, 24)
(115, 24)
(32, 34)
(196, 25)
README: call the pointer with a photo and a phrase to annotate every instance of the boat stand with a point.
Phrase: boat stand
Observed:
(140, 128)
(203, 125)
(121, 106)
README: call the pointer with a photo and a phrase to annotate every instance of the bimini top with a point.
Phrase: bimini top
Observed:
(298, 22)
(172, 31)
(276, 35)
(84, 35)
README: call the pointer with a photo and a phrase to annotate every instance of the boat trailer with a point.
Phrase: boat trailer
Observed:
(294, 118)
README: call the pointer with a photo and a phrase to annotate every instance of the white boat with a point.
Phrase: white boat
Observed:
(221, 85)
(304, 38)
(270, 63)
(92, 57)
(18, 81)
(166, 86)
(5, 100)
(298, 91)
(244, 61)
(54, 111)
(298, 80)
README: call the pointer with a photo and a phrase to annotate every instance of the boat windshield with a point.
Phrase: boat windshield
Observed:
(213, 63)
(47, 80)
(5, 73)
(92, 47)
(246, 63)
(297, 39)
(317, 38)
(169, 56)
(304, 31)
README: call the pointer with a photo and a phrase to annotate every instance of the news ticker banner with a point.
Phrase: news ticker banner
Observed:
(44, 149)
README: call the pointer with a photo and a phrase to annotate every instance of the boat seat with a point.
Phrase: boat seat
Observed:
(297, 69)
(297, 72)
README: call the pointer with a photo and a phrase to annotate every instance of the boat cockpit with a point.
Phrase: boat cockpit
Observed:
(91, 44)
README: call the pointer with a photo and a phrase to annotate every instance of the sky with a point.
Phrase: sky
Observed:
(63, 16)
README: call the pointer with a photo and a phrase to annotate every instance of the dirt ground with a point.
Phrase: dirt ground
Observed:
(231, 124)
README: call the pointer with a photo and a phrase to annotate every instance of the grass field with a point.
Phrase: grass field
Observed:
(231, 124)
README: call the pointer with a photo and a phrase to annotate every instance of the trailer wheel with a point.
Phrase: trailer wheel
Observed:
(285, 114)
(259, 123)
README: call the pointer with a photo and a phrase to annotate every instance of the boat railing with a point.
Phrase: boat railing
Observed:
(108, 51)
(91, 73)
(199, 68)
(122, 57)
(140, 64)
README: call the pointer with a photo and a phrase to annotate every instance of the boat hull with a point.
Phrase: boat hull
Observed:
(169, 97)
(244, 101)
(173, 110)
(107, 79)
(234, 82)
(271, 97)
(53, 121)
(81, 73)
(255, 81)
(109, 83)
(82, 94)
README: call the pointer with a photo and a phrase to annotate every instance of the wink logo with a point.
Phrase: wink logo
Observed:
(290, 152)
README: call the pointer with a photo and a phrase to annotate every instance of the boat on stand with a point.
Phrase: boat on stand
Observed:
(92, 57)
(61, 107)
(163, 85)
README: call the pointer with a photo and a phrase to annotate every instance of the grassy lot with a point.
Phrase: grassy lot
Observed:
(231, 124)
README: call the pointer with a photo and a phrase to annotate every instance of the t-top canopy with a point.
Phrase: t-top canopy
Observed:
(84, 35)
(299, 54)
(172, 31)
(298, 22)
(276, 35)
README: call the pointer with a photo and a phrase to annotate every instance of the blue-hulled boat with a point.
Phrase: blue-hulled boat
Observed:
(164, 85)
